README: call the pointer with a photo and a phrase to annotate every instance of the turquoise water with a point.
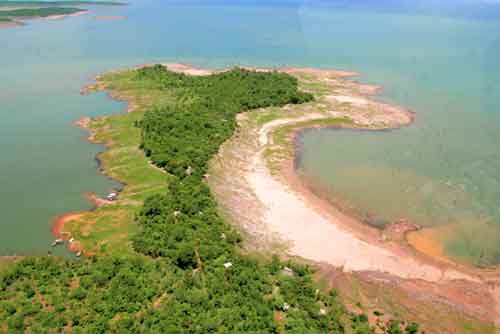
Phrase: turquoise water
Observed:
(443, 66)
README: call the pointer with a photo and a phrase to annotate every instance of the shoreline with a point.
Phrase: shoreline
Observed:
(314, 229)
(60, 17)
(408, 235)
(22, 21)
(403, 239)
(271, 197)
(58, 223)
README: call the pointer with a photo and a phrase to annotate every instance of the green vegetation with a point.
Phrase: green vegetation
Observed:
(37, 12)
(107, 230)
(187, 271)
(184, 136)
(11, 10)
(41, 4)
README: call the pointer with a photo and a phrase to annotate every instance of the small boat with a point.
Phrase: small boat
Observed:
(57, 242)
(112, 197)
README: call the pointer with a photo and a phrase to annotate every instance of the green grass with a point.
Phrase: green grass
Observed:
(4, 263)
(108, 229)
(186, 288)
(137, 294)
(262, 117)
(317, 88)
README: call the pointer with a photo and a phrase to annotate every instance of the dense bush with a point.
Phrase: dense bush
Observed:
(185, 135)
(194, 277)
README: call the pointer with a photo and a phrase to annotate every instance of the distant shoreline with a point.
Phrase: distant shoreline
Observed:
(7, 24)
(15, 21)
(21, 21)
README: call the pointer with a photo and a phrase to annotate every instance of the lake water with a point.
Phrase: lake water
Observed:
(440, 60)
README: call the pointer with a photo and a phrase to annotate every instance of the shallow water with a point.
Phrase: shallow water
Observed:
(444, 67)
(445, 168)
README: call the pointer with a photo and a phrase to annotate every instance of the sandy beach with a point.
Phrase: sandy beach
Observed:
(276, 208)
(60, 17)
(283, 206)
(319, 235)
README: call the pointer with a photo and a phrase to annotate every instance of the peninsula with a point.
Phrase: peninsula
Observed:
(215, 231)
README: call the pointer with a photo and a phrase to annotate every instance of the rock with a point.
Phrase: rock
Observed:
(398, 229)
(288, 272)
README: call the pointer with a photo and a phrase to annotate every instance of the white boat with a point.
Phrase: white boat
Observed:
(112, 197)
(57, 242)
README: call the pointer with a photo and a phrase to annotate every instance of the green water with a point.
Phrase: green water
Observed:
(440, 62)
(445, 168)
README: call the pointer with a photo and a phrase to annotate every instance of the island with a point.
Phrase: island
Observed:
(12, 13)
(213, 229)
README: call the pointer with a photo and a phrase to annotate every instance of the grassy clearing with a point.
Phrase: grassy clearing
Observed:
(4, 263)
(108, 229)
(264, 116)
(310, 83)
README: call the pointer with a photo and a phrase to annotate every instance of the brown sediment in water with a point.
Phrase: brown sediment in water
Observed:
(430, 241)
(282, 206)
(21, 21)
(421, 273)
(59, 223)
(425, 244)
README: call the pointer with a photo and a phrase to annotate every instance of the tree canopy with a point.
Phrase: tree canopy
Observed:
(189, 273)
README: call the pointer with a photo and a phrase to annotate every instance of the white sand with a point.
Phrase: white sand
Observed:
(357, 101)
(314, 236)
